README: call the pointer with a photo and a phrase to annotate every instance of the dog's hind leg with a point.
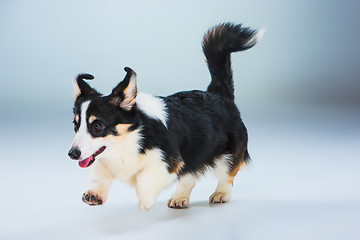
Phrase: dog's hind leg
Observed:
(180, 199)
(223, 191)
(225, 171)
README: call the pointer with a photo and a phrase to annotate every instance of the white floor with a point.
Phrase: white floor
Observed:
(303, 183)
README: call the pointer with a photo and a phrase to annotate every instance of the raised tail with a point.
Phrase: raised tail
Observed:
(219, 42)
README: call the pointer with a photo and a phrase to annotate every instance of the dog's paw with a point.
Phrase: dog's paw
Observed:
(146, 204)
(92, 198)
(220, 197)
(178, 203)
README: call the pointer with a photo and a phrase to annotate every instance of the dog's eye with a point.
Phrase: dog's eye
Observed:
(97, 127)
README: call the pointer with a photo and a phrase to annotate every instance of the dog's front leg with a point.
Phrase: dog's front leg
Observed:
(100, 183)
(149, 182)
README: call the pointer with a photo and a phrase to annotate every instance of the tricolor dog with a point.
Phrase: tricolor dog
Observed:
(150, 141)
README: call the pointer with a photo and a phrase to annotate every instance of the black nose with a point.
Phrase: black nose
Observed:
(74, 153)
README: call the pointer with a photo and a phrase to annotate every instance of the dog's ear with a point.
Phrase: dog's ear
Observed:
(82, 88)
(124, 94)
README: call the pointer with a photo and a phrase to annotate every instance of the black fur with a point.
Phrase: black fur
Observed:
(203, 126)
(218, 44)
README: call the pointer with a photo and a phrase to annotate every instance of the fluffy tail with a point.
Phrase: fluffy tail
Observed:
(219, 42)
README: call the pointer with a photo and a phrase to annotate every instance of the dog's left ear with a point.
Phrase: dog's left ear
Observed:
(82, 88)
(124, 94)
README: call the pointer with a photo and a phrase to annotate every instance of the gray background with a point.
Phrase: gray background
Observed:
(298, 91)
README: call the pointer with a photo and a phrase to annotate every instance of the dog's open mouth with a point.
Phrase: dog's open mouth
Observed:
(90, 160)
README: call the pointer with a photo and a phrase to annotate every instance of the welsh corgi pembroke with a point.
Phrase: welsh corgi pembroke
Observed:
(151, 141)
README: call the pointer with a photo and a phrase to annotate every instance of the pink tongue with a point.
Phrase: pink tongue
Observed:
(84, 163)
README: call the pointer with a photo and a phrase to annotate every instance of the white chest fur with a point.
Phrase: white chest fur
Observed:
(121, 157)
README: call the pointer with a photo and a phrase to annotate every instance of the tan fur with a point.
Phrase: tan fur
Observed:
(233, 173)
(92, 118)
(175, 165)
(77, 118)
(122, 130)
(178, 168)
(130, 93)
(77, 91)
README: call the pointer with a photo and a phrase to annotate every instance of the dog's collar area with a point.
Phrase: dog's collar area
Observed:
(87, 162)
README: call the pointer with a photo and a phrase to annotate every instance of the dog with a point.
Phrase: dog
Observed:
(150, 141)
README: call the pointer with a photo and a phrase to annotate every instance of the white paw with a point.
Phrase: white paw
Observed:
(220, 197)
(180, 202)
(146, 204)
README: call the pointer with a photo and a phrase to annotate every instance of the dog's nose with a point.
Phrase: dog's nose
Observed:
(74, 153)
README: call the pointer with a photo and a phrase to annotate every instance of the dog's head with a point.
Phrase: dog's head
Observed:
(99, 120)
